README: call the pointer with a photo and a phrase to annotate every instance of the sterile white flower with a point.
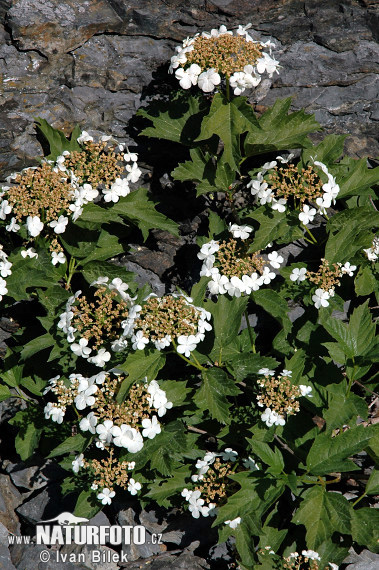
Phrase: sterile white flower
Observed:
(100, 358)
(84, 137)
(128, 437)
(104, 431)
(195, 504)
(189, 76)
(217, 284)
(5, 268)
(5, 209)
(305, 390)
(234, 523)
(347, 268)
(298, 274)
(134, 486)
(34, 225)
(307, 215)
(13, 226)
(59, 225)
(270, 417)
(275, 259)
(130, 156)
(311, 554)
(89, 423)
(242, 232)
(279, 205)
(229, 454)
(77, 463)
(186, 344)
(208, 80)
(57, 257)
(266, 372)
(85, 397)
(81, 348)
(134, 172)
(320, 298)
(139, 341)
(151, 427)
(249, 463)
(267, 275)
(106, 496)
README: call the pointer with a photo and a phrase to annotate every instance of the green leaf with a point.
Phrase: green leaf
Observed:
(176, 121)
(358, 179)
(365, 282)
(76, 443)
(139, 365)
(198, 291)
(160, 490)
(329, 454)
(5, 393)
(217, 226)
(227, 316)
(108, 245)
(213, 392)
(52, 298)
(329, 150)
(274, 305)
(36, 345)
(13, 376)
(176, 391)
(139, 209)
(229, 120)
(372, 487)
(27, 440)
(349, 408)
(57, 139)
(279, 130)
(96, 214)
(323, 513)
(244, 365)
(35, 385)
(272, 458)
(86, 505)
(95, 269)
(365, 528)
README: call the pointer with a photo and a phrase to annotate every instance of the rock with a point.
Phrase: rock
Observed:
(5, 557)
(127, 517)
(45, 505)
(95, 557)
(32, 556)
(366, 560)
(10, 499)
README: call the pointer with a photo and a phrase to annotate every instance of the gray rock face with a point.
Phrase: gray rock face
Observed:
(92, 62)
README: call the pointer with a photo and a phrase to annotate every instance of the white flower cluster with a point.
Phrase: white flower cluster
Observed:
(265, 195)
(85, 193)
(235, 286)
(373, 251)
(321, 296)
(185, 344)
(207, 79)
(81, 348)
(5, 271)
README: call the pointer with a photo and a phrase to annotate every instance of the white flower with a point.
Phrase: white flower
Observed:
(128, 437)
(81, 349)
(229, 454)
(333, 566)
(272, 418)
(77, 463)
(320, 298)
(266, 372)
(5, 209)
(85, 397)
(111, 194)
(238, 82)
(120, 287)
(234, 523)
(13, 226)
(275, 259)
(279, 205)
(59, 225)
(249, 463)
(34, 225)
(94, 486)
(311, 554)
(161, 404)
(104, 431)
(58, 257)
(30, 252)
(134, 172)
(242, 232)
(131, 465)
(5, 268)
(186, 494)
(65, 320)
(195, 504)
(139, 341)
(121, 187)
(162, 343)
(298, 274)
(130, 156)
(89, 423)
(88, 194)
(84, 137)
(267, 275)
(151, 427)
(305, 390)
(217, 284)
(347, 268)
(286, 372)
(134, 486)
(176, 60)
(307, 215)
(208, 80)
(100, 281)
(268, 64)
(54, 413)
(100, 358)
(188, 77)
(186, 343)
(106, 496)
(208, 249)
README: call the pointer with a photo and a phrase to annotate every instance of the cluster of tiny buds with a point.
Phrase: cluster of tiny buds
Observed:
(232, 268)
(279, 396)
(326, 278)
(170, 319)
(99, 322)
(207, 58)
(276, 185)
(307, 560)
(5, 271)
(211, 483)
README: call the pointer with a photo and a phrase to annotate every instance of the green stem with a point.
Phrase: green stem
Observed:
(250, 332)
(310, 233)
(359, 499)
(227, 89)
(351, 380)
(70, 272)
(196, 364)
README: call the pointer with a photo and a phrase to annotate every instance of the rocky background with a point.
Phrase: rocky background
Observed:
(94, 62)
